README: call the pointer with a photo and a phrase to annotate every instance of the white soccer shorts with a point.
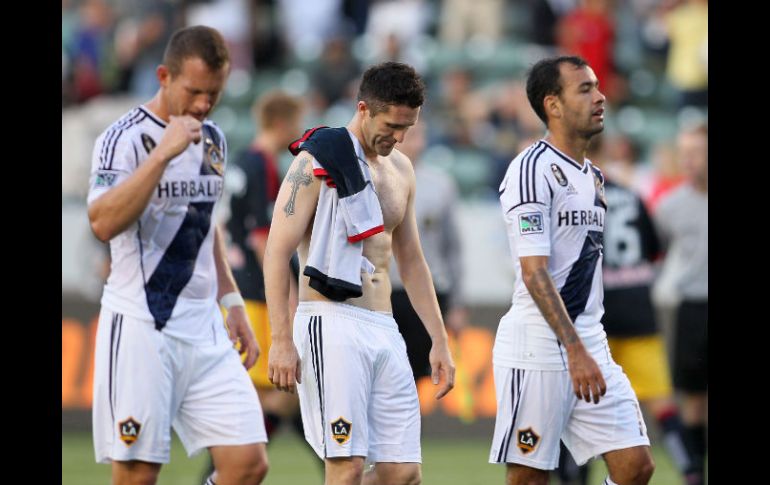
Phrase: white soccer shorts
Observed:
(535, 409)
(145, 382)
(357, 396)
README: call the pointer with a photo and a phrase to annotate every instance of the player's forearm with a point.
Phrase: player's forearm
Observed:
(277, 280)
(548, 300)
(113, 212)
(418, 284)
(225, 280)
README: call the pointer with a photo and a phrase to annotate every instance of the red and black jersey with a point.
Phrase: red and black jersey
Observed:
(251, 211)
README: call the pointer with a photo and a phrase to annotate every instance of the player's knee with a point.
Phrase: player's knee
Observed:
(252, 474)
(344, 471)
(524, 475)
(407, 476)
(134, 473)
(646, 470)
(413, 477)
(142, 479)
(639, 473)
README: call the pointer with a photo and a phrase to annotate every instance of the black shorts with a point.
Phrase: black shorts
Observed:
(691, 347)
(418, 343)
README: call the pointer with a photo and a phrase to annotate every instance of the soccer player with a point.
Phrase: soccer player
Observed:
(344, 353)
(163, 355)
(554, 376)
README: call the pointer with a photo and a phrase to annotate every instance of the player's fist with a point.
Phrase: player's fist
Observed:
(180, 132)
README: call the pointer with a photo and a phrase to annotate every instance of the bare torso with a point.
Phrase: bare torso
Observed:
(391, 176)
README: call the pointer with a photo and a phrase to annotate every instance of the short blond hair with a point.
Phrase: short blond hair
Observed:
(274, 106)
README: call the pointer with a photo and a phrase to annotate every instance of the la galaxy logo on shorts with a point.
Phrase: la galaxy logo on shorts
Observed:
(527, 440)
(341, 430)
(129, 430)
(531, 223)
(212, 156)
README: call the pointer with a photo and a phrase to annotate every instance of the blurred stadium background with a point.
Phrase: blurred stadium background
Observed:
(473, 55)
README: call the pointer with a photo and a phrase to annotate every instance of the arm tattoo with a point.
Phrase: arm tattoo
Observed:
(543, 291)
(295, 178)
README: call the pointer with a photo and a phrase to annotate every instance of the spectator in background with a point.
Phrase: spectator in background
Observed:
(89, 52)
(462, 20)
(589, 32)
(667, 175)
(449, 110)
(435, 207)
(545, 18)
(687, 71)
(336, 73)
(395, 28)
(682, 222)
(140, 40)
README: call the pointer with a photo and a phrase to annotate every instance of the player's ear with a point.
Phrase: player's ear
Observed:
(363, 109)
(163, 74)
(552, 106)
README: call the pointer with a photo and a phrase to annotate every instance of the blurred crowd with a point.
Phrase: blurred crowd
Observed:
(651, 58)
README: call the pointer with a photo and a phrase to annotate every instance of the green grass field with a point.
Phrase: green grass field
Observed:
(457, 462)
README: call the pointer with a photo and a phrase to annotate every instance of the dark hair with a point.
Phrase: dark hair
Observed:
(199, 41)
(544, 79)
(391, 83)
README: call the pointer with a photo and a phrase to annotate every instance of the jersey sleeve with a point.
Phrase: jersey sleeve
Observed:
(113, 160)
(526, 200)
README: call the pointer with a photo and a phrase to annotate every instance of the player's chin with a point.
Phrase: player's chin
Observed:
(595, 129)
(385, 149)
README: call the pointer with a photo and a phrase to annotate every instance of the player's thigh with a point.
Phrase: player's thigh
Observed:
(337, 373)
(532, 409)
(394, 410)
(220, 406)
(614, 423)
(133, 391)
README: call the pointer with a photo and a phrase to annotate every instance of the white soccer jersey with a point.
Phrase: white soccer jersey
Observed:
(553, 207)
(163, 265)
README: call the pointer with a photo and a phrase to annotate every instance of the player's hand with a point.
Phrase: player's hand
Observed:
(240, 331)
(180, 132)
(441, 364)
(587, 380)
(283, 365)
